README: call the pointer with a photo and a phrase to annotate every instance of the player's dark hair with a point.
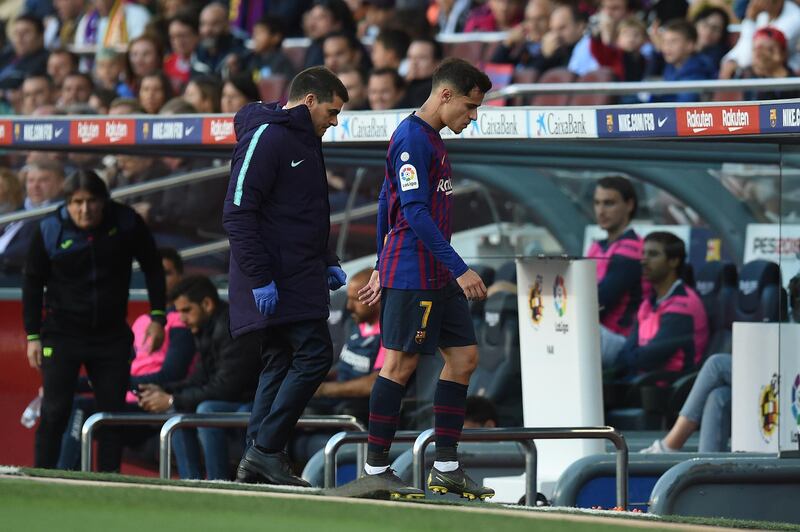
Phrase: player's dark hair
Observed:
(461, 75)
(624, 187)
(394, 40)
(397, 79)
(318, 81)
(172, 255)
(274, 25)
(31, 19)
(86, 180)
(480, 410)
(195, 288)
(674, 248)
(438, 50)
(682, 27)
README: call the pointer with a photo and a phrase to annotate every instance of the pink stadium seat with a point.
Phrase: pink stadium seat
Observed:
(297, 55)
(501, 75)
(272, 88)
(598, 76)
(523, 75)
(471, 51)
(554, 75)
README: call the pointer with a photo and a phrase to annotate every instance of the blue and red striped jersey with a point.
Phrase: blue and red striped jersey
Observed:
(418, 184)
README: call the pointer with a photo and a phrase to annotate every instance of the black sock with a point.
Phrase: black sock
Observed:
(448, 409)
(384, 408)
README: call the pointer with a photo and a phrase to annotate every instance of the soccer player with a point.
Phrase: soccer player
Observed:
(424, 283)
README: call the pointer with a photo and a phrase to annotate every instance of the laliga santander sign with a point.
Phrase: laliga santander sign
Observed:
(722, 120)
(102, 132)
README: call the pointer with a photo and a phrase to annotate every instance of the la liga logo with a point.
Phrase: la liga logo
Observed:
(560, 296)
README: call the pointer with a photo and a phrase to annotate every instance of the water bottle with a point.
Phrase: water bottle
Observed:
(31, 413)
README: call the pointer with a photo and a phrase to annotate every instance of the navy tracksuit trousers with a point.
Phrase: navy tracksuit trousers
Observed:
(297, 357)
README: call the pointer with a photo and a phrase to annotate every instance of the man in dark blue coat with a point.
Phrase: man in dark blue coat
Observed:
(278, 220)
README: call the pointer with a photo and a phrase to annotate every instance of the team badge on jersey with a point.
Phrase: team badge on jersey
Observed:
(420, 337)
(408, 177)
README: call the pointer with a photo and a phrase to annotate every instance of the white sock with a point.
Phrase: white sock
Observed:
(374, 470)
(446, 467)
(667, 448)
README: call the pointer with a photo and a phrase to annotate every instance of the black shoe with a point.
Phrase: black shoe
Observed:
(391, 483)
(258, 467)
(457, 482)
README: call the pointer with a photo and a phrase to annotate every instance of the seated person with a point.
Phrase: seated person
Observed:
(624, 57)
(709, 401)
(619, 268)
(769, 61)
(223, 380)
(165, 363)
(671, 331)
(678, 42)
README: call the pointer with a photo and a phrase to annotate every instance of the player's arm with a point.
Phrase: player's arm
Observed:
(675, 331)
(382, 223)
(253, 173)
(622, 276)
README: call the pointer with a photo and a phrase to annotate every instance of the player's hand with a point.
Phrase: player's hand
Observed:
(371, 292)
(336, 277)
(35, 353)
(266, 298)
(155, 334)
(472, 285)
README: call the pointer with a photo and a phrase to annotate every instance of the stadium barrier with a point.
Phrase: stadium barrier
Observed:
(172, 421)
(240, 420)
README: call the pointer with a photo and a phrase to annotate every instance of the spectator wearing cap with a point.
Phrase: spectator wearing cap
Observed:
(267, 59)
(238, 91)
(779, 14)
(449, 16)
(183, 39)
(769, 61)
(26, 55)
(495, 15)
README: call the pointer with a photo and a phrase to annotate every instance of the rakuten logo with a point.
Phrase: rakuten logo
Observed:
(699, 120)
(221, 129)
(88, 131)
(735, 119)
(116, 131)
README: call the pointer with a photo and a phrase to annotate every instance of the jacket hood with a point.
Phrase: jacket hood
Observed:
(255, 114)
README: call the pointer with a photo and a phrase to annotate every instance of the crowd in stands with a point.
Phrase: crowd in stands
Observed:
(218, 55)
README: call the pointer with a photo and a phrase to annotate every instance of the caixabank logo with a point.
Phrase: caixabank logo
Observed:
(365, 127)
(636, 123)
(722, 120)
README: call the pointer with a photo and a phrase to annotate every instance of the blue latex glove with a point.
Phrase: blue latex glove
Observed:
(336, 277)
(266, 298)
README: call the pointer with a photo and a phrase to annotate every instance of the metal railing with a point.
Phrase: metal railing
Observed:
(524, 434)
(341, 438)
(652, 87)
(240, 420)
(108, 418)
(130, 190)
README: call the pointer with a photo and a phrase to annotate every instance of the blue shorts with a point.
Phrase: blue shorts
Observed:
(420, 321)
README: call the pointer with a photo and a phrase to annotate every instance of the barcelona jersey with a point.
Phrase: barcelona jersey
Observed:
(417, 175)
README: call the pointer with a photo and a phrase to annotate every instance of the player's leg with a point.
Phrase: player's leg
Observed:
(460, 351)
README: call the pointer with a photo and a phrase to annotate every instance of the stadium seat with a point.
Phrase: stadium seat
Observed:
(716, 285)
(523, 75)
(760, 296)
(498, 375)
(507, 272)
(554, 75)
(297, 55)
(339, 321)
(598, 76)
(273, 88)
(471, 51)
